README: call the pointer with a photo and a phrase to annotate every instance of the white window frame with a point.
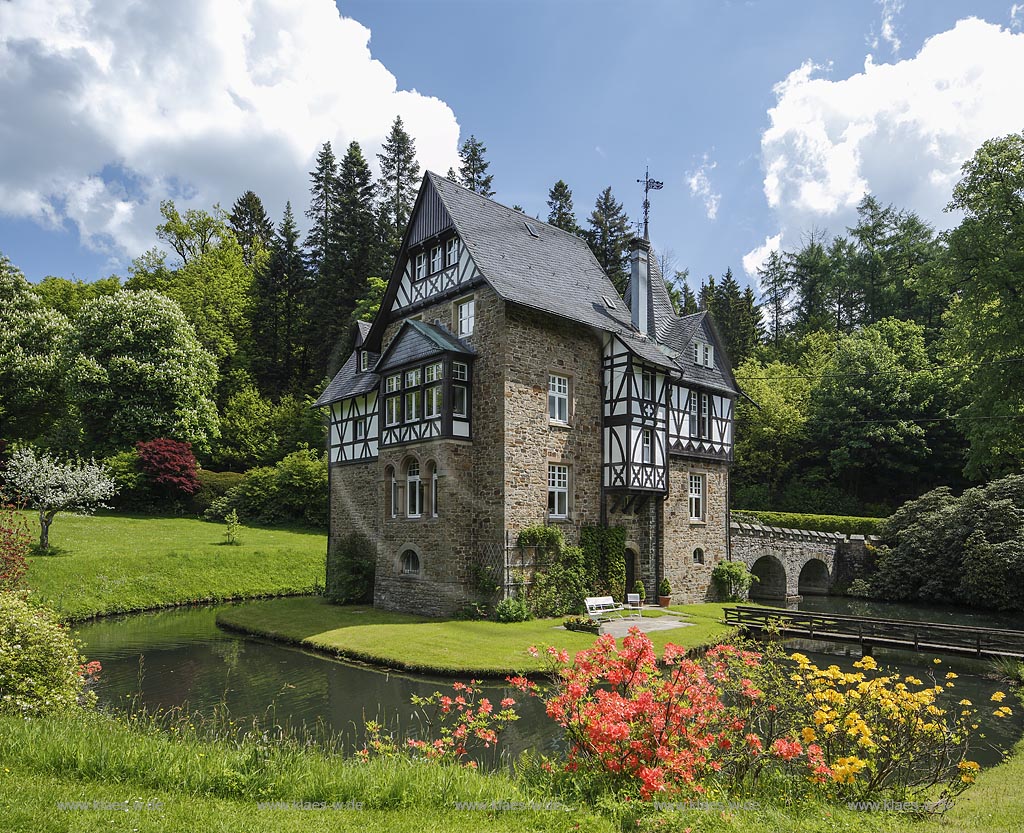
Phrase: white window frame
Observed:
(647, 385)
(421, 266)
(697, 497)
(435, 260)
(433, 372)
(647, 445)
(460, 401)
(413, 491)
(392, 410)
(705, 416)
(558, 399)
(413, 377)
(364, 361)
(359, 429)
(395, 496)
(451, 253)
(405, 567)
(558, 491)
(413, 405)
(432, 402)
(703, 354)
(393, 383)
(692, 413)
(460, 371)
(465, 317)
(709, 356)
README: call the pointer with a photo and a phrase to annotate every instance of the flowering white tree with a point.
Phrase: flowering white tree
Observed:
(48, 486)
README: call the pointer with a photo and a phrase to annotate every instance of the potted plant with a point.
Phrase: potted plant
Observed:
(639, 589)
(664, 593)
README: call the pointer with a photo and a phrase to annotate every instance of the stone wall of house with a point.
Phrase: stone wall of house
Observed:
(641, 536)
(537, 345)
(355, 505)
(692, 582)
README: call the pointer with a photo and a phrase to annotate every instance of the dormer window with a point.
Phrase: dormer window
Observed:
(451, 255)
(435, 259)
(421, 265)
(703, 354)
(364, 361)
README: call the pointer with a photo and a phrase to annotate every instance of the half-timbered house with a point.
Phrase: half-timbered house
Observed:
(503, 383)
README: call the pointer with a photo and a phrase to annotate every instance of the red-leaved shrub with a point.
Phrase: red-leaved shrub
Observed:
(170, 465)
(15, 542)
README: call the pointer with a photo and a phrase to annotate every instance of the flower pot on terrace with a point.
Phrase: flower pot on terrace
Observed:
(664, 601)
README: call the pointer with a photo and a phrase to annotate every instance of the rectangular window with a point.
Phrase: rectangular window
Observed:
(709, 356)
(696, 497)
(459, 401)
(703, 354)
(393, 383)
(394, 497)
(648, 386)
(412, 378)
(647, 442)
(392, 411)
(364, 360)
(433, 494)
(421, 265)
(360, 427)
(414, 492)
(435, 259)
(466, 317)
(460, 371)
(451, 255)
(558, 398)
(433, 402)
(434, 372)
(705, 416)
(697, 353)
(412, 406)
(558, 491)
(692, 402)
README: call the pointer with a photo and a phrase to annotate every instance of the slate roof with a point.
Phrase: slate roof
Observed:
(348, 382)
(417, 340)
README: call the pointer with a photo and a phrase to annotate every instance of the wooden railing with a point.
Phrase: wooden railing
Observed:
(870, 632)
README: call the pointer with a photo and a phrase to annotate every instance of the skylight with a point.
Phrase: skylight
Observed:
(530, 229)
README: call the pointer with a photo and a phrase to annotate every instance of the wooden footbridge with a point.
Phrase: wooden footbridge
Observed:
(870, 633)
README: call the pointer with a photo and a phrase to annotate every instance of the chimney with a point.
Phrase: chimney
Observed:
(639, 284)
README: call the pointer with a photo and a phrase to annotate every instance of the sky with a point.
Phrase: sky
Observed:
(763, 119)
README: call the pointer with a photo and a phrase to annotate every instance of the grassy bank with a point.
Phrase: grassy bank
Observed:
(199, 784)
(116, 564)
(453, 647)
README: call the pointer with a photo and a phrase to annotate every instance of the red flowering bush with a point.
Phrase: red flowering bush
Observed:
(15, 543)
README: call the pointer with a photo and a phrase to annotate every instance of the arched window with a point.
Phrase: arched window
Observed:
(413, 490)
(698, 556)
(410, 563)
(431, 489)
(391, 492)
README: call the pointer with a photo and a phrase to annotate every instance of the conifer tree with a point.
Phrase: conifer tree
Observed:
(251, 225)
(687, 299)
(609, 236)
(776, 289)
(560, 209)
(473, 169)
(322, 239)
(399, 179)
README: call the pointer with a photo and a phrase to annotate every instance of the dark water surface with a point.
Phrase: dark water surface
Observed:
(180, 658)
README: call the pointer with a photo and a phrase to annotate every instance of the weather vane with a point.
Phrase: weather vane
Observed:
(649, 185)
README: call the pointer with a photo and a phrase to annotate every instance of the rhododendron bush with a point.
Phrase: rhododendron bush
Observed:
(736, 721)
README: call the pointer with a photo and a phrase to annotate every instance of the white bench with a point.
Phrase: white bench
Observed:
(600, 606)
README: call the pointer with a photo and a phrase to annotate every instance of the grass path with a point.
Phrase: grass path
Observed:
(452, 647)
(117, 564)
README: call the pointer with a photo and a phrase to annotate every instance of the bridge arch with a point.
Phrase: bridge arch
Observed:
(814, 579)
(771, 578)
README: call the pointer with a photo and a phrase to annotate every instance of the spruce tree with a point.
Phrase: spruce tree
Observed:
(687, 299)
(609, 237)
(776, 290)
(280, 318)
(251, 226)
(560, 209)
(322, 239)
(473, 169)
(399, 180)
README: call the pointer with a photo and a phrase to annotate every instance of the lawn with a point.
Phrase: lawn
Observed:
(452, 647)
(195, 784)
(115, 564)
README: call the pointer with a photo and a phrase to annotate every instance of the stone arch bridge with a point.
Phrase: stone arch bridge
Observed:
(790, 563)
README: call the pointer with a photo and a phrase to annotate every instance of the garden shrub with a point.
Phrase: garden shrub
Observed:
(293, 491)
(604, 557)
(561, 588)
(40, 667)
(126, 472)
(170, 467)
(15, 544)
(582, 624)
(539, 535)
(213, 485)
(512, 609)
(351, 569)
(732, 580)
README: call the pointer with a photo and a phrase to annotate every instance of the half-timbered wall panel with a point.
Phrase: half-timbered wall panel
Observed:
(412, 291)
(354, 430)
(699, 422)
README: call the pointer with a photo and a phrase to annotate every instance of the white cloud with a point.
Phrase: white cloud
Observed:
(890, 10)
(108, 107)
(901, 130)
(1016, 15)
(700, 186)
(756, 257)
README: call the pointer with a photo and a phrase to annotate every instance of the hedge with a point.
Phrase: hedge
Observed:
(845, 524)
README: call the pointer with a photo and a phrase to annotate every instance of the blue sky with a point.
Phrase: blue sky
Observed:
(762, 118)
